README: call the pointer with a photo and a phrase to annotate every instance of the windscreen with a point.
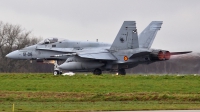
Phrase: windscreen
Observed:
(49, 41)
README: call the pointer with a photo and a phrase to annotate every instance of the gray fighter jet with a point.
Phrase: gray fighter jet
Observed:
(125, 52)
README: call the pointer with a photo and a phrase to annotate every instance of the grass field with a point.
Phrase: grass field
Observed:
(45, 92)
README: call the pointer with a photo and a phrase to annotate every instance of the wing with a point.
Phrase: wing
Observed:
(98, 56)
(177, 53)
(64, 50)
(90, 55)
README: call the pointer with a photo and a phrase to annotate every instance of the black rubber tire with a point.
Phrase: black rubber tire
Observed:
(97, 71)
(56, 72)
(122, 72)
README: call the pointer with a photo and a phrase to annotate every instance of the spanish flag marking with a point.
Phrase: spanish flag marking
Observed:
(125, 58)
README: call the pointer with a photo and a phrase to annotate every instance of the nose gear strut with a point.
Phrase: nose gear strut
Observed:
(57, 71)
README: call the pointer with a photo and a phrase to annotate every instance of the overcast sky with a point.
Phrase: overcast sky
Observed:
(102, 19)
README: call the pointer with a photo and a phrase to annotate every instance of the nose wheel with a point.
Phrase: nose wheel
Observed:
(57, 71)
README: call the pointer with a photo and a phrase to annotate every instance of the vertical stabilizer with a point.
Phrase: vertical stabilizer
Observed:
(127, 37)
(147, 36)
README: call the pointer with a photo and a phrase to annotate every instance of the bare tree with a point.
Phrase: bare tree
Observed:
(13, 37)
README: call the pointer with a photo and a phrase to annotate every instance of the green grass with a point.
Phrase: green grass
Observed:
(109, 105)
(105, 92)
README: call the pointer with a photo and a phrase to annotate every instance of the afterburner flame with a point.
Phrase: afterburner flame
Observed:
(45, 61)
(49, 61)
(160, 55)
(167, 55)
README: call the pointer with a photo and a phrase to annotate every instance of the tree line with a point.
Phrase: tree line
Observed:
(13, 37)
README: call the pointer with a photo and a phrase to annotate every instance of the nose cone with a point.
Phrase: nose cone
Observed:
(13, 55)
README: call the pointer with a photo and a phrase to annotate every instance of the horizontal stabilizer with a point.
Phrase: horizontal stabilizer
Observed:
(177, 53)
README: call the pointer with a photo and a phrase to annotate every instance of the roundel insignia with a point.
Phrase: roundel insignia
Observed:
(125, 58)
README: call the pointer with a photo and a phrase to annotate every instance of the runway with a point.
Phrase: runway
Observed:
(163, 111)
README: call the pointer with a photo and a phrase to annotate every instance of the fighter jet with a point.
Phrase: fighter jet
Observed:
(125, 52)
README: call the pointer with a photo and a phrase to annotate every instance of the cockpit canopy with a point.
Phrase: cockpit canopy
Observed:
(49, 41)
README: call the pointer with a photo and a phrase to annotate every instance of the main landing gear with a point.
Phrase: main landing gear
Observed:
(121, 72)
(97, 71)
(57, 71)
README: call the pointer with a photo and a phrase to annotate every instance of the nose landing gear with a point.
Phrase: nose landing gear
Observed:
(57, 71)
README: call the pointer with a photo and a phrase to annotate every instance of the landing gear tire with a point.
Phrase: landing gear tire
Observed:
(56, 72)
(121, 72)
(97, 71)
